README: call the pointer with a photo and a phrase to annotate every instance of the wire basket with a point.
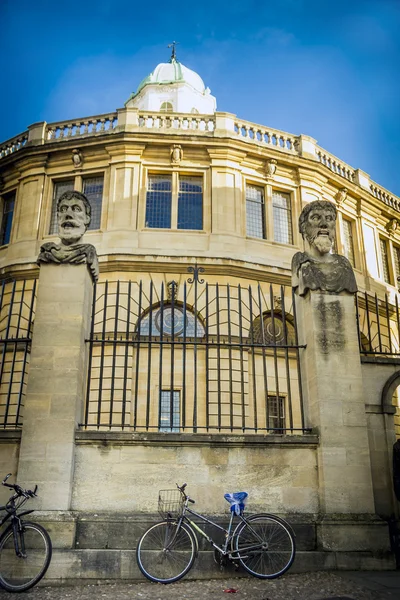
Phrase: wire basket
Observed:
(170, 504)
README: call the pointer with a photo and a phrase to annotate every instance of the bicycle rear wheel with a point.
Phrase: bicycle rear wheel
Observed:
(265, 546)
(19, 573)
(166, 551)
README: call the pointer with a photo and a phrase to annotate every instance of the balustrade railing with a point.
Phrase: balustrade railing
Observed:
(13, 144)
(279, 140)
(335, 165)
(81, 127)
(385, 196)
(183, 122)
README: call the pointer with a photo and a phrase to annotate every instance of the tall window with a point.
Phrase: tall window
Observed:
(169, 416)
(174, 202)
(396, 255)
(276, 413)
(7, 217)
(92, 187)
(255, 212)
(282, 214)
(348, 241)
(385, 260)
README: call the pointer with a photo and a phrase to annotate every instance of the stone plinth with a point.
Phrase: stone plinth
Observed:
(55, 391)
(334, 401)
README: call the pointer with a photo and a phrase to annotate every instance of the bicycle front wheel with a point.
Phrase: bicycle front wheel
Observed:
(166, 551)
(19, 573)
(265, 546)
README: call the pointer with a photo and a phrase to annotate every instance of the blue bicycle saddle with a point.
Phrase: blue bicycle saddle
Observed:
(237, 500)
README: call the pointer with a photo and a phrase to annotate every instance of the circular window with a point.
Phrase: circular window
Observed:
(170, 321)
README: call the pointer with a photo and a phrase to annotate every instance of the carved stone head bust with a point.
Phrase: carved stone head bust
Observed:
(73, 216)
(318, 268)
(317, 223)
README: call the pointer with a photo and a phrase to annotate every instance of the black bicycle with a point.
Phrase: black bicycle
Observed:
(263, 544)
(25, 547)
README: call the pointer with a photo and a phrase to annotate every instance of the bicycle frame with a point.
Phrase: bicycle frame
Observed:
(16, 524)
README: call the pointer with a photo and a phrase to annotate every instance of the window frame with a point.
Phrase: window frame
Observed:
(173, 427)
(281, 413)
(4, 198)
(384, 241)
(175, 176)
(263, 205)
(352, 225)
(288, 193)
(78, 186)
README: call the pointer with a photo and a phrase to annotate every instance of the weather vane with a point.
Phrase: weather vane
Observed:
(173, 46)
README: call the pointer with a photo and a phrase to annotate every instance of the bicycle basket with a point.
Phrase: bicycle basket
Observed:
(170, 504)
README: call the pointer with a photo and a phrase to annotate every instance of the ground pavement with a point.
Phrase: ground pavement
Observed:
(369, 585)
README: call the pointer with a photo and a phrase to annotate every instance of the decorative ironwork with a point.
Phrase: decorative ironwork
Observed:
(209, 359)
(378, 323)
(195, 270)
(17, 310)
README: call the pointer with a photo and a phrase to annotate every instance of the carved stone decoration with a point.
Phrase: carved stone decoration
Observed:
(77, 158)
(318, 268)
(73, 218)
(341, 196)
(172, 291)
(392, 226)
(270, 168)
(176, 154)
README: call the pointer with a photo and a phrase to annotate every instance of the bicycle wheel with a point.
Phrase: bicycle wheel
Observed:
(166, 552)
(19, 573)
(264, 545)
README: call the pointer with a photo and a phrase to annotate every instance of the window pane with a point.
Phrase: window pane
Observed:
(255, 215)
(276, 413)
(158, 201)
(385, 260)
(93, 190)
(59, 188)
(348, 242)
(190, 203)
(169, 411)
(282, 218)
(7, 218)
(396, 254)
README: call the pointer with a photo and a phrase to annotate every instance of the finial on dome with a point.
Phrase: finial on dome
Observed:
(173, 54)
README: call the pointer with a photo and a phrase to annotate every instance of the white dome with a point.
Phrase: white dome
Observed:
(173, 72)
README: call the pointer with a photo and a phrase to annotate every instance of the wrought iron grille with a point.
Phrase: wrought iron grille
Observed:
(191, 356)
(378, 322)
(17, 310)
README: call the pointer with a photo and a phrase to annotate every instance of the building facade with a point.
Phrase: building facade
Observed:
(191, 362)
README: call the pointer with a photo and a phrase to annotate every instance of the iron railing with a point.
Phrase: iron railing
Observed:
(17, 310)
(190, 356)
(378, 322)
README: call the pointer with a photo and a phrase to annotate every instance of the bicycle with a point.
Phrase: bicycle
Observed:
(25, 547)
(263, 544)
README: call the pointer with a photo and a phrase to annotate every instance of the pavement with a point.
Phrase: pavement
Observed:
(327, 585)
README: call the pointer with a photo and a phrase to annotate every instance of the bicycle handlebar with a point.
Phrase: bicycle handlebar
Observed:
(18, 489)
(181, 488)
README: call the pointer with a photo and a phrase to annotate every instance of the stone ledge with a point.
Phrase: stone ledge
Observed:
(193, 439)
(10, 435)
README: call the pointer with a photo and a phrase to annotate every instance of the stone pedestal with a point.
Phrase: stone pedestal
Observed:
(55, 392)
(335, 404)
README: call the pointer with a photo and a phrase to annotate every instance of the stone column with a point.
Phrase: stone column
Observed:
(56, 383)
(335, 403)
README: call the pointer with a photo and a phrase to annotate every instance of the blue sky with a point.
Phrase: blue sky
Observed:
(330, 70)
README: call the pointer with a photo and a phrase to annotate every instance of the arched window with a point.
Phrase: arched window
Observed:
(168, 320)
(274, 332)
(166, 107)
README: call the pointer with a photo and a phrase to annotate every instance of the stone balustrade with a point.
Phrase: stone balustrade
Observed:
(183, 122)
(13, 144)
(279, 140)
(81, 127)
(219, 125)
(385, 196)
(334, 164)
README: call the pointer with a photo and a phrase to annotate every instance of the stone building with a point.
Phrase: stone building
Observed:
(191, 358)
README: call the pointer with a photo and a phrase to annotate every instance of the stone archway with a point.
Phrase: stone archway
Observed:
(390, 405)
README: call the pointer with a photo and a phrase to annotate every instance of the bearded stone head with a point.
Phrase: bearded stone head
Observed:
(317, 225)
(73, 216)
